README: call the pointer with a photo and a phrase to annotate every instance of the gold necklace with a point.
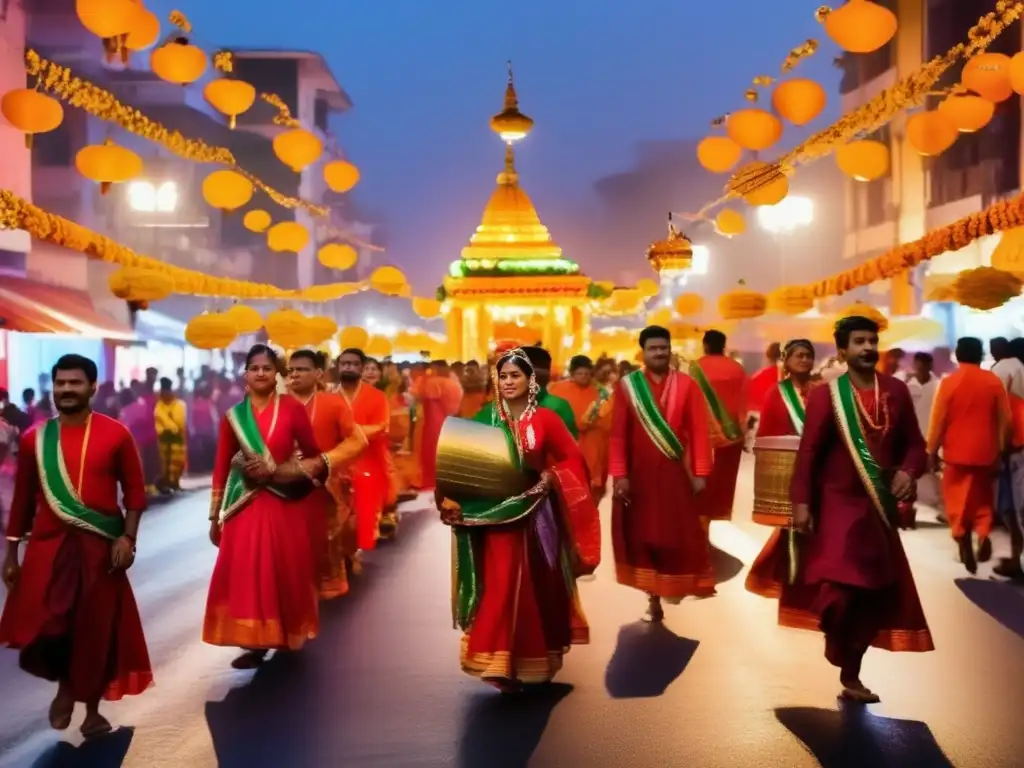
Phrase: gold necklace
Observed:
(85, 448)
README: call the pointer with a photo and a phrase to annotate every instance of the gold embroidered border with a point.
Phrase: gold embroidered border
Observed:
(775, 520)
(895, 640)
(665, 584)
(221, 629)
(499, 665)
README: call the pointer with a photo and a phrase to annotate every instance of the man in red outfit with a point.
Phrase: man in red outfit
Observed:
(860, 453)
(71, 611)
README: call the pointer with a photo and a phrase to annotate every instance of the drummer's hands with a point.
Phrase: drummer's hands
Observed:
(620, 489)
(451, 512)
(802, 518)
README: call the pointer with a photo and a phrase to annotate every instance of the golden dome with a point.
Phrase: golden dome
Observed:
(510, 227)
(673, 255)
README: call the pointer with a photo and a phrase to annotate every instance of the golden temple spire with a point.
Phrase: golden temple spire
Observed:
(511, 124)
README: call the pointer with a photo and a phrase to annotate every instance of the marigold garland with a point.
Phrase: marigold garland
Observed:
(998, 217)
(909, 92)
(16, 213)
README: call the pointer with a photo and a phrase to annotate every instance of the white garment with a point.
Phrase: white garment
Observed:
(923, 396)
(1010, 371)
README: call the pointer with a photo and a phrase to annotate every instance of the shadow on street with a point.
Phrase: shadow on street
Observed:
(725, 565)
(648, 658)
(501, 731)
(1002, 601)
(101, 752)
(854, 738)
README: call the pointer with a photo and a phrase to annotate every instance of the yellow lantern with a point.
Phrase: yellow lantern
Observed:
(1008, 255)
(661, 316)
(730, 223)
(298, 148)
(931, 133)
(860, 309)
(753, 129)
(426, 308)
(799, 100)
(759, 183)
(863, 160)
(320, 328)
(1016, 73)
(741, 304)
(178, 61)
(791, 300)
(31, 112)
(287, 327)
(969, 113)
(256, 220)
(988, 75)
(378, 346)
(688, 304)
(388, 280)
(144, 31)
(860, 26)
(211, 330)
(647, 287)
(287, 237)
(108, 164)
(341, 175)
(140, 284)
(718, 154)
(986, 288)
(107, 18)
(353, 337)
(338, 256)
(245, 318)
(230, 97)
(227, 190)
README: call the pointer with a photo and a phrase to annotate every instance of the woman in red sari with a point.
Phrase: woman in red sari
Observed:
(263, 592)
(517, 560)
(782, 414)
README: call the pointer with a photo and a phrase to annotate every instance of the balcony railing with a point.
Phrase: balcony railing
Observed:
(987, 180)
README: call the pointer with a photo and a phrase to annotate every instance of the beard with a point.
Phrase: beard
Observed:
(71, 405)
(350, 377)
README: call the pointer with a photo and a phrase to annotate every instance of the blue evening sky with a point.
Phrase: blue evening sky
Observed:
(425, 76)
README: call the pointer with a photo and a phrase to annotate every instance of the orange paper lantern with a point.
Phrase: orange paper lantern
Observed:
(718, 154)
(31, 112)
(107, 18)
(969, 113)
(108, 164)
(730, 223)
(863, 160)
(861, 26)
(230, 97)
(287, 237)
(144, 31)
(753, 129)
(178, 61)
(227, 190)
(799, 101)
(988, 75)
(256, 220)
(298, 148)
(341, 175)
(338, 256)
(931, 133)
(759, 183)
(1017, 73)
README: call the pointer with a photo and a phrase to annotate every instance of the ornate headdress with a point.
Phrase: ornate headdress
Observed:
(532, 390)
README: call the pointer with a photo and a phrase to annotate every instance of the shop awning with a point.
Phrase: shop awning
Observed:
(30, 307)
(156, 326)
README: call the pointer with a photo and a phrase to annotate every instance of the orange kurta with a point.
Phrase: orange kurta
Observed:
(730, 382)
(592, 409)
(405, 470)
(329, 511)
(441, 397)
(368, 473)
(971, 423)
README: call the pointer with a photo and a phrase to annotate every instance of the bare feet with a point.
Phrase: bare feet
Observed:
(249, 660)
(61, 710)
(95, 725)
(855, 690)
(655, 613)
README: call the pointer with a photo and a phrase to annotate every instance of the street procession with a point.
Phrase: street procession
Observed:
(707, 451)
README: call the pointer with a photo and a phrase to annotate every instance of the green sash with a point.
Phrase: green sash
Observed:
(477, 513)
(60, 493)
(794, 404)
(651, 419)
(729, 428)
(848, 421)
(237, 493)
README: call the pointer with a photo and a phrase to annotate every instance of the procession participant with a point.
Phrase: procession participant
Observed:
(540, 359)
(1011, 487)
(440, 397)
(970, 424)
(400, 431)
(171, 421)
(369, 471)
(660, 458)
(592, 409)
(764, 382)
(724, 384)
(474, 390)
(397, 432)
(859, 454)
(70, 609)
(263, 592)
(923, 385)
(338, 441)
(782, 414)
(516, 561)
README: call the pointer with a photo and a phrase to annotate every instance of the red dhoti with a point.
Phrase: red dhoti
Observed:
(324, 525)
(715, 503)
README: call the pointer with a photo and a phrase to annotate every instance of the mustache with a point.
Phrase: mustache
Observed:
(872, 356)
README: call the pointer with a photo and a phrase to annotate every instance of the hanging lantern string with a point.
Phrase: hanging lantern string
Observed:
(872, 115)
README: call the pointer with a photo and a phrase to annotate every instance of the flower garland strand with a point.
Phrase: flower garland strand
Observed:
(16, 213)
(909, 92)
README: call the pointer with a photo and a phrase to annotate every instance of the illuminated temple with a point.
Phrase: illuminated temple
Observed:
(512, 282)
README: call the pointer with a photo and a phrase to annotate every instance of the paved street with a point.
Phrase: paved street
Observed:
(718, 685)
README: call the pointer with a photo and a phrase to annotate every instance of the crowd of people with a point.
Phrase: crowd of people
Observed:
(310, 458)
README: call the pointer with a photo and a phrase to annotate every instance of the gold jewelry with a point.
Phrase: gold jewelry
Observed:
(85, 448)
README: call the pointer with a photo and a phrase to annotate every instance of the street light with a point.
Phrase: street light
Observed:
(786, 216)
(147, 197)
(701, 259)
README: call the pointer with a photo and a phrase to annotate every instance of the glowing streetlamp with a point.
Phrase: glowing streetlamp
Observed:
(786, 216)
(147, 197)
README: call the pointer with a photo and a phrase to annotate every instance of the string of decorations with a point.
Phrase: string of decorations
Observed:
(17, 213)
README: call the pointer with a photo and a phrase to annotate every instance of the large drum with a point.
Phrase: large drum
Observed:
(475, 461)
(774, 463)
